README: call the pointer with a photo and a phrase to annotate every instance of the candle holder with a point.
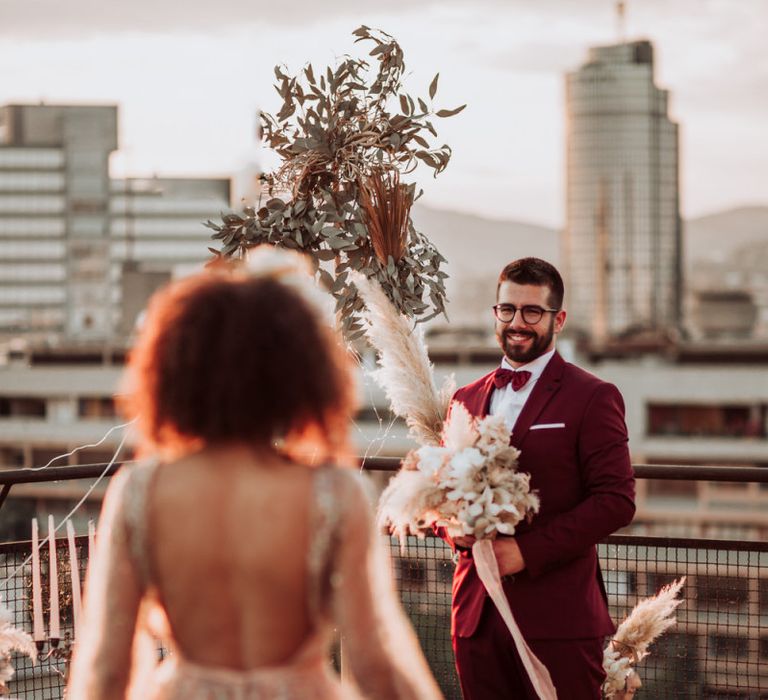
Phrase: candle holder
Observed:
(61, 650)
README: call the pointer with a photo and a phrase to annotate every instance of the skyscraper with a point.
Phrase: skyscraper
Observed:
(75, 244)
(623, 233)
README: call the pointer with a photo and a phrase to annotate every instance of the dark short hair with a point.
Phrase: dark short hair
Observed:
(537, 272)
(228, 357)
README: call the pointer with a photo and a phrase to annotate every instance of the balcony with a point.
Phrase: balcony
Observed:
(718, 649)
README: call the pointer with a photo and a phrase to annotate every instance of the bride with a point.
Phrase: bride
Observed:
(241, 556)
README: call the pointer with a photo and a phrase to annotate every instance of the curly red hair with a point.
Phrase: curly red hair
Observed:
(226, 357)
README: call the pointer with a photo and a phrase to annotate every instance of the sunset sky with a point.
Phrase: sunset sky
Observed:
(189, 77)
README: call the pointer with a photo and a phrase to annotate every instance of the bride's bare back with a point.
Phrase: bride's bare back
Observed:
(253, 561)
(230, 533)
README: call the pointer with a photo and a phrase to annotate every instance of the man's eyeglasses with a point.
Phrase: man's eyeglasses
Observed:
(531, 314)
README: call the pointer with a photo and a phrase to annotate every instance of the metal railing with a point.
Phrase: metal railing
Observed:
(718, 649)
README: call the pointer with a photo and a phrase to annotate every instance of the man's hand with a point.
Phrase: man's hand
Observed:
(508, 555)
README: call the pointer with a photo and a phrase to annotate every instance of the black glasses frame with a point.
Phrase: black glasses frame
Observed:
(531, 314)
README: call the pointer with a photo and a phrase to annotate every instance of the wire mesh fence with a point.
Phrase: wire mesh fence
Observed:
(719, 646)
(46, 679)
(717, 650)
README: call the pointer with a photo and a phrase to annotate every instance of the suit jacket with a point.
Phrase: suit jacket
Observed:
(573, 442)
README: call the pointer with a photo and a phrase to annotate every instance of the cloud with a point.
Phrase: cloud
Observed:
(36, 19)
(77, 18)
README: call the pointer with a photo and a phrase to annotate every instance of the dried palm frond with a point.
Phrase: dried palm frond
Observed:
(649, 619)
(386, 205)
(405, 372)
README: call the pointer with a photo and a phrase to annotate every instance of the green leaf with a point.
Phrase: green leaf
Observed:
(433, 87)
(326, 279)
(339, 283)
(276, 204)
(449, 112)
(427, 157)
(378, 49)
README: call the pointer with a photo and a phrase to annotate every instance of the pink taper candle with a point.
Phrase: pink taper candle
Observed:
(74, 574)
(91, 540)
(53, 576)
(38, 626)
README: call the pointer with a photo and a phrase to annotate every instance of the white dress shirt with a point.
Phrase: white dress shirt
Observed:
(507, 401)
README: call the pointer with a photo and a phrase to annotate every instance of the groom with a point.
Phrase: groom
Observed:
(569, 426)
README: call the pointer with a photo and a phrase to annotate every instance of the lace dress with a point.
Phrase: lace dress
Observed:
(115, 655)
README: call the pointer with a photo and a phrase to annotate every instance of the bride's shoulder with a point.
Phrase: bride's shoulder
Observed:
(350, 490)
(342, 478)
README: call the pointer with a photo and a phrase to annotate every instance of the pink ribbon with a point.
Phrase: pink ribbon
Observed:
(488, 570)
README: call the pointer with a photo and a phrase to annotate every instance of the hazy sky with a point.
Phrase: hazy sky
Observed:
(189, 77)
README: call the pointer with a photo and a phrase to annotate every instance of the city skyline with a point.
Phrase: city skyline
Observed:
(206, 72)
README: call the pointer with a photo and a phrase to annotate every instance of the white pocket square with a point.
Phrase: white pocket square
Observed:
(545, 426)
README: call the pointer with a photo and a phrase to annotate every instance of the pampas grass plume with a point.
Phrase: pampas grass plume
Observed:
(405, 372)
(649, 619)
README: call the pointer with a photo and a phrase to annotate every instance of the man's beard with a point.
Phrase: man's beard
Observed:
(523, 354)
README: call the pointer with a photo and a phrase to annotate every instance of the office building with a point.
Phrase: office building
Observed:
(622, 244)
(73, 240)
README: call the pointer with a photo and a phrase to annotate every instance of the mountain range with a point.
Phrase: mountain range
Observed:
(477, 247)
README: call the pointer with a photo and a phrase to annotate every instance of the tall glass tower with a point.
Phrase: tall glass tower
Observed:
(623, 256)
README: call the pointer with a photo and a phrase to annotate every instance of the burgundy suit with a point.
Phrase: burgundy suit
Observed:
(579, 464)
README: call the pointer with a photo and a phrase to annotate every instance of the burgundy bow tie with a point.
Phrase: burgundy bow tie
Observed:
(502, 377)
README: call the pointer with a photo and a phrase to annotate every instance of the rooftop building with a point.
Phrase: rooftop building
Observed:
(69, 232)
(622, 244)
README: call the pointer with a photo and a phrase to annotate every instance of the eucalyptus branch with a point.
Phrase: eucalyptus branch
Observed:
(339, 133)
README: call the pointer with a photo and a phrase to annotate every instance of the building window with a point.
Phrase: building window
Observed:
(96, 456)
(32, 181)
(762, 596)
(26, 250)
(11, 157)
(722, 593)
(32, 204)
(40, 272)
(722, 646)
(56, 457)
(27, 226)
(671, 488)
(373, 414)
(26, 295)
(22, 407)
(412, 572)
(620, 583)
(96, 407)
(708, 420)
(11, 457)
(445, 571)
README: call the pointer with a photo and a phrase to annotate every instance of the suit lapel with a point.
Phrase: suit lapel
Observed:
(478, 399)
(484, 398)
(545, 388)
